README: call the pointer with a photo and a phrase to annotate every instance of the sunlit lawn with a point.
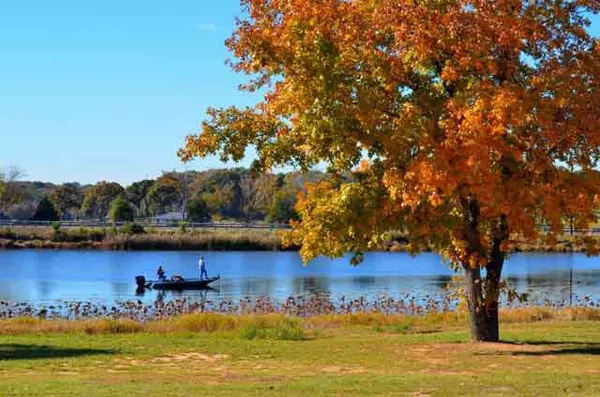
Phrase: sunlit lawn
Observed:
(540, 359)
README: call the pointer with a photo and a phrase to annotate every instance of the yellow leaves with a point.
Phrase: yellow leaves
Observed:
(434, 199)
(453, 100)
(591, 247)
(337, 220)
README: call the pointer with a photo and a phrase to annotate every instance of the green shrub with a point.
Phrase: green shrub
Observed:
(250, 331)
(182, 227)
(55, 227)
(57, 234)
(120, 210)
(288, 329)
(84, 234)
(284, 329)
(97, 234)
(8, 234)
(132, 228)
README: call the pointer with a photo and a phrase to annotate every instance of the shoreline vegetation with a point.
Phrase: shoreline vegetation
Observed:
(448, 308)
(135, 238)
(279, 325)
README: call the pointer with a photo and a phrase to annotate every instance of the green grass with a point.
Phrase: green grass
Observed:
(540, 358)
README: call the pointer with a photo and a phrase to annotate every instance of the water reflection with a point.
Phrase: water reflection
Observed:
(49, 276)
(441, 281)
(310, 284)
(44, 288)
(363, 282)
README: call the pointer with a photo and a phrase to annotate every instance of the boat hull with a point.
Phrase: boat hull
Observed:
(195, 283)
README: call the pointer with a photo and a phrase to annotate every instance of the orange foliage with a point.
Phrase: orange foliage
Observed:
(495, 103)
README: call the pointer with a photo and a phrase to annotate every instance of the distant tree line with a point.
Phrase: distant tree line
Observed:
(192, 196)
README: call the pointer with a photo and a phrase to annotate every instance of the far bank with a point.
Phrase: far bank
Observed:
(134, 237)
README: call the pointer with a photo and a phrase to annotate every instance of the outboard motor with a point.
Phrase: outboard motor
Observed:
(141, 283)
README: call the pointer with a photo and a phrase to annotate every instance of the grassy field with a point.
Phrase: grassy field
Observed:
(360, 357)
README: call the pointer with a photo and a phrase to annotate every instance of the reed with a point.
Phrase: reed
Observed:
(285, 327)
(197, 240)
(362, 310)
(100, 238)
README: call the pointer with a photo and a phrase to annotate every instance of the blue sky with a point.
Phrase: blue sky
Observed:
(107, 90)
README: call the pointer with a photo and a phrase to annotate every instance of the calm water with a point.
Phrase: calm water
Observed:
(43, 276)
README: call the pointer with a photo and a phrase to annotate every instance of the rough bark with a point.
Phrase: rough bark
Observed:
(473, 282)
(482, 299)
(475, 301)
(492, 281)
(492, 294)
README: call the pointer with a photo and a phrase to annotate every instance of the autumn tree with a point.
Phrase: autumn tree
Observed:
(121, 210)
(197, 210)
(98, 199)
(282, 209)
(11, 192)
(163, 196)
(282, 204)
(465, 122)
(67, 198)
(257, 194)
(136, 194)
(170, 192)
(222, 192)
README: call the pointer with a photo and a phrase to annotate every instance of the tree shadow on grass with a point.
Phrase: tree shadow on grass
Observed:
(17, 351)
(554, 348)
(590, 349)
(549, 343)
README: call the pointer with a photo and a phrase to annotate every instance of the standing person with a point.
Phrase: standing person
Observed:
(202, 266)
(160, 273)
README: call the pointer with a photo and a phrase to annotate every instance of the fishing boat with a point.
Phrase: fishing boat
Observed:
(175, 283)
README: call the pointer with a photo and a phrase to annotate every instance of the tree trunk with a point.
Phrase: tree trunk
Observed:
(492, 280)
(492, 293)
(483, 300)
(473, 282)
(477, 312)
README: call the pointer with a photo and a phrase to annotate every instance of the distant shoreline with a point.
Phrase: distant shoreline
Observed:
(136, 245)
(204, 240)
(139, 239)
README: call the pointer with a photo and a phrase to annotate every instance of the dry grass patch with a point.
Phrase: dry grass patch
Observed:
(283, 327)
(190, 357)
(542, 313)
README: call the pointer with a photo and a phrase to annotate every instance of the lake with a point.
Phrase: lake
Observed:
(48, 276)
